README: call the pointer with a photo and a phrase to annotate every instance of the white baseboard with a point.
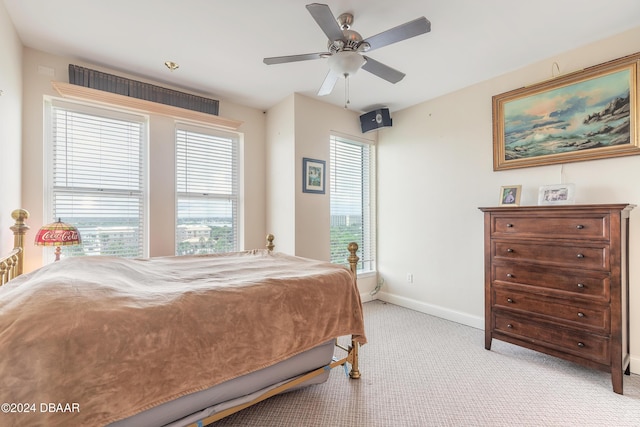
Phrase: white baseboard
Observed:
(634, 364)
(366, 297)
(455, 316)
(434, 310)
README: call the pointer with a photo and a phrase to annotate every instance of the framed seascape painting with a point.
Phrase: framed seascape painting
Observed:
(313, 176)
(586, 115)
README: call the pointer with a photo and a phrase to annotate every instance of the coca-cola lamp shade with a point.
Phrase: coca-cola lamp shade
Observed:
(58, 234)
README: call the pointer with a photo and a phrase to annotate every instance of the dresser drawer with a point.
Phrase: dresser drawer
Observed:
(552, 226)
(588, 346)
(578, 283)
(573, 313)
(589, 257)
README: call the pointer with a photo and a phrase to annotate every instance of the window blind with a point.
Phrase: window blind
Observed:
(207, 191)
(352, 200)
(98, 181)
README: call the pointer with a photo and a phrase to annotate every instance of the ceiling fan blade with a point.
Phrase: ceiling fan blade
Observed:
(293, 58)
(399, 33)
(329, 83)
(382, 71)
(325, 19)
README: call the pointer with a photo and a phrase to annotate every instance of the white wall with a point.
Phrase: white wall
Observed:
(435, 168)
(40, 68)
(10, 126)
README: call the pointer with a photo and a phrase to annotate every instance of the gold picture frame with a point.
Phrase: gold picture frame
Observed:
(587, 115)
(510, 195)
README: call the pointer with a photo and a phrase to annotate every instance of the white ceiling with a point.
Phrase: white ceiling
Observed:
(220, 45)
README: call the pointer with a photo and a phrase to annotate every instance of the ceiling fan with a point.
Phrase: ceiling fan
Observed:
(345, 47)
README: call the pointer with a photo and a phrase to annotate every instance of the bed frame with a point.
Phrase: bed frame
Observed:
(11, 266)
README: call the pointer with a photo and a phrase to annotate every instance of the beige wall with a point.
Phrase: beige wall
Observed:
(300, 127)
(10, 126)
(40, 68)
(435, 168)
(280, 177)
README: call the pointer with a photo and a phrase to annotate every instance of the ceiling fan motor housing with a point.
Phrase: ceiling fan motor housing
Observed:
(351, 41)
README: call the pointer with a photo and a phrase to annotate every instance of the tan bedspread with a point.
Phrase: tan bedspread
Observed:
(116, 336)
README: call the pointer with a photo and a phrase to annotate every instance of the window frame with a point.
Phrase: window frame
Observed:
(48, 159)
(367, 251)
(215, 133)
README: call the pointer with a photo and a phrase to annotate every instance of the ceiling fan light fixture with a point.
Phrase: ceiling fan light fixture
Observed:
(346, 63)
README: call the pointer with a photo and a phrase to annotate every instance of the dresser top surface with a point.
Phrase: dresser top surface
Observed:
(533, 208)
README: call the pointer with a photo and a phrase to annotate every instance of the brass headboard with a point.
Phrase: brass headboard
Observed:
(11, 265)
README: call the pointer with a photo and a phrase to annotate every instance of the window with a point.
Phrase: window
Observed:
(96, 178)
(207, 191)
(352, 189)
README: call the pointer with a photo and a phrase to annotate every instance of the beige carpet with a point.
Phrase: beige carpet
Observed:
(420, 370)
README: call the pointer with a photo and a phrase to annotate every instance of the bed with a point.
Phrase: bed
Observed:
(168, 341)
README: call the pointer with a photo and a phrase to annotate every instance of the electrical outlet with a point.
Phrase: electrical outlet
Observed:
(409, 277)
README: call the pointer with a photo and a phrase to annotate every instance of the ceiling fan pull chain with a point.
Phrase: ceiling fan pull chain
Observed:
(346, 91)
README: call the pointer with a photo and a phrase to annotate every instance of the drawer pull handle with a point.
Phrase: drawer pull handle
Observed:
(580, 314)
(509, 225)
(510, 326)
(580, 285)
(509, 300)
(509, 250)
(509, 275)
(581, 344)
(579, 226)
(580, 255)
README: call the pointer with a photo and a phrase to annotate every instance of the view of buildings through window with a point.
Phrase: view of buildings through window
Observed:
(207, 191)
(97, 183)
(97, 178)
(351, 178)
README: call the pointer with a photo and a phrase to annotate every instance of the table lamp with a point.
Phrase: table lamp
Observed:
(58, 234)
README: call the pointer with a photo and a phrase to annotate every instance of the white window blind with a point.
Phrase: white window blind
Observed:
(352, 171)
(98, 179)
(207, 191)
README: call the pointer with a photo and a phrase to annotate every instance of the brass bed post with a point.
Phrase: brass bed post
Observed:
(353, 264)
(19, 229)
(11, 266)
(270, 244)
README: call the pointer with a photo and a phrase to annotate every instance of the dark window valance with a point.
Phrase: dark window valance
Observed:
(115, 84)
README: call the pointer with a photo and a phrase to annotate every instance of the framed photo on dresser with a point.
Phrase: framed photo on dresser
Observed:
(510, 195)
(560, 194)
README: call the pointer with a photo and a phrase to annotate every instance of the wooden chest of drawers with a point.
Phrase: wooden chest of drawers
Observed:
(556, 281)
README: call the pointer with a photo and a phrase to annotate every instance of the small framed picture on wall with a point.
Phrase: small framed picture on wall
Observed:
(510, 195)
(313, 176)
